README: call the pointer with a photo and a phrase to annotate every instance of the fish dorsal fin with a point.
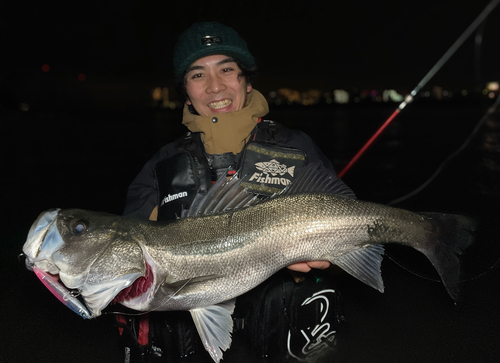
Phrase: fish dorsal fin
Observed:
(215, 325)
(364, 264)
(315, 178)
(225, 195)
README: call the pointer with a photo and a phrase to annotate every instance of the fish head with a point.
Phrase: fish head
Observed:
(98, 254)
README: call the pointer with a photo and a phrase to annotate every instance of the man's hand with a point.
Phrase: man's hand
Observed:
(308, 265)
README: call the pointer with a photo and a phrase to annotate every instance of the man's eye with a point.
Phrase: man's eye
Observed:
(227, 69)
(197, 75)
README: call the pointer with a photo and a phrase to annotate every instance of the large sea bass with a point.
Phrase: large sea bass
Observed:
(227, 245)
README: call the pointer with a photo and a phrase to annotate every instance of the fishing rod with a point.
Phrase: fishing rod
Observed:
(409, 98)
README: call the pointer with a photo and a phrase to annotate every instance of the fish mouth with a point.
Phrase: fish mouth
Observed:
(134, 290)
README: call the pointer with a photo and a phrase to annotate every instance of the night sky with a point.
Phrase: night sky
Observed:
(300, 44)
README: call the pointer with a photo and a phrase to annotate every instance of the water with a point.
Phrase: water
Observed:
(86, 157)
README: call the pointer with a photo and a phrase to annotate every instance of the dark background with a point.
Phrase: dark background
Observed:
(67, 143)
(300, 44)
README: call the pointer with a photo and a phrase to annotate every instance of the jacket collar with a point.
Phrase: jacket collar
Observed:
(232, 130)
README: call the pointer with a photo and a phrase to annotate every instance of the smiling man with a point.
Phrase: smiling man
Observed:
(214, 70)
(214, 85)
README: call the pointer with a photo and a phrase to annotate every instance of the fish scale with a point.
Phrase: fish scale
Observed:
(202, 262)
(272, 235)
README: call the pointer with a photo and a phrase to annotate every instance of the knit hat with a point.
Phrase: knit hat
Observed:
(209, 38)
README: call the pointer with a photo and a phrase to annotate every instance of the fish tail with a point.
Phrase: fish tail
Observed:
(454, 235)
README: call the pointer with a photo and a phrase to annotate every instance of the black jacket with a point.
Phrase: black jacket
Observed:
(142, 196)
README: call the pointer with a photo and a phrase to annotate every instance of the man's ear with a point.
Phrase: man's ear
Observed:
(249, 88)
(188, 102)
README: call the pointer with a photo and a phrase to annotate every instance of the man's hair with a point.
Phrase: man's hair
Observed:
(248, 73)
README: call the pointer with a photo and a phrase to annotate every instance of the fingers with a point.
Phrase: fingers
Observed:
(308, 265)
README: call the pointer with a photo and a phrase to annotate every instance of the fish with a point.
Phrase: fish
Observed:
(228, 242)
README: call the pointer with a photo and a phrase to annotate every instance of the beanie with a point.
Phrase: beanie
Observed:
(209, 38)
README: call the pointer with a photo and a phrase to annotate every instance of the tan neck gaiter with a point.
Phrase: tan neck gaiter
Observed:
(232, 130)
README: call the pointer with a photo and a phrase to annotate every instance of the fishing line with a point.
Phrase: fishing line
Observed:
(473, 133)
(428, 278)
(491, 110)
(149, 311)
(458, 43)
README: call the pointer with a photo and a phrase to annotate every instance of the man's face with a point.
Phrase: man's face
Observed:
(213, 85)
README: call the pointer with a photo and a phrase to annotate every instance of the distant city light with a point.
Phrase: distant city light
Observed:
(284, 96)
(492, 86)
(341, 96)
(162, 95)
(156, 94)
(391, 95)
(45, 68)
(81, 77)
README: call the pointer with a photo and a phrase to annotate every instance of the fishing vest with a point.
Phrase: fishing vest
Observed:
(265, 166)
(278, 319)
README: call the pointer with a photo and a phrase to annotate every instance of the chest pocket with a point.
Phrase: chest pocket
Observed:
(267, 169)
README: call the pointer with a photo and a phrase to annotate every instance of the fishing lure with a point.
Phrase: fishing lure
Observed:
(59, 291)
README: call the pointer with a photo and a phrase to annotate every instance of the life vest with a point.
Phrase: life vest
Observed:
(265, 166)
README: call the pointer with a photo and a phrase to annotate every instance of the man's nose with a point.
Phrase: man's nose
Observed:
(215, 85)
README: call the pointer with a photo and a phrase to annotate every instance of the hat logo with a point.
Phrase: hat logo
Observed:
(209, 40)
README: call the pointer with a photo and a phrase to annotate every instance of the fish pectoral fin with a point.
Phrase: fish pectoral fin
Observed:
(215, 325)
(364, 264)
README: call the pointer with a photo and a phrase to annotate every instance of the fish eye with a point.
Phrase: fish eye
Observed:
(80, 227)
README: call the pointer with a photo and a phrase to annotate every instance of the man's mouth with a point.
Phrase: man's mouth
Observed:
(220, 104)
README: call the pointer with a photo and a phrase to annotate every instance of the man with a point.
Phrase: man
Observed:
(227, 133)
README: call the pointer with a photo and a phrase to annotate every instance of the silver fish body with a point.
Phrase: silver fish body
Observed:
(244, 248)
(198, 263)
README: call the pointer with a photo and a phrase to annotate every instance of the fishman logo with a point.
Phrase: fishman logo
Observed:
(172, 197)
(274, 168)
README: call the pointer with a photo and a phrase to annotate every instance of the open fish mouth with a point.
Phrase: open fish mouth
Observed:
(134, 290)
(42, 241)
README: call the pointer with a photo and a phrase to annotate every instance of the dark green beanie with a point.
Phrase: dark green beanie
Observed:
(203, 39)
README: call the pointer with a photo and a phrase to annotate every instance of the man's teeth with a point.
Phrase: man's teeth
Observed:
(220, 104)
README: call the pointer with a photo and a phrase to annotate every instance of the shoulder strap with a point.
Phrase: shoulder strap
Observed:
(270, 131)
(191, 143)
